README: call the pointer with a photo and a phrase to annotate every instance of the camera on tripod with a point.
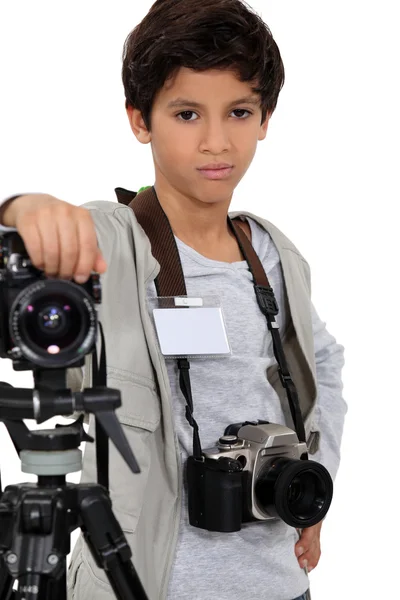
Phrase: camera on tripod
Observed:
(48, 323)
(47, 326)
(256, 472)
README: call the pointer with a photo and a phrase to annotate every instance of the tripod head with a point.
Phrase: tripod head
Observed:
(21, 403)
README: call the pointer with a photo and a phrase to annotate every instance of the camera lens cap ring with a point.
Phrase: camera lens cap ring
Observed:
(315, 491)
(72, 345)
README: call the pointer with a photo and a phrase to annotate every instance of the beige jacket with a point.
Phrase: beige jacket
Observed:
(147, 505)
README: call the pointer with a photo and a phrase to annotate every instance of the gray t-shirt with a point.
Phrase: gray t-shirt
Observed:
(258, 561)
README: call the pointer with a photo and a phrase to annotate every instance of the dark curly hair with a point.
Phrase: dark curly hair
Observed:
(200, 35)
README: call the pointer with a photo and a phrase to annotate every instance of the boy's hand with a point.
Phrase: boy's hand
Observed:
(60, 238)
(308, 548)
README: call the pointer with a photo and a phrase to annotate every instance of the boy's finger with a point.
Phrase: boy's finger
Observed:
(303, 563)
(50, 239)
(88, 249)
(299, 550)
(311, 558)
(100, 265)
(69, 251)
(30, 234)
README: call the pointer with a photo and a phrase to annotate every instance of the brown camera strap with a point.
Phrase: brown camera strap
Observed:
(170, 282)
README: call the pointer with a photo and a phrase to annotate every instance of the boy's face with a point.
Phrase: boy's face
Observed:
(220, 131)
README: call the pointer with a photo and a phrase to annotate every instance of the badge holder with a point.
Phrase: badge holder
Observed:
(190, 327)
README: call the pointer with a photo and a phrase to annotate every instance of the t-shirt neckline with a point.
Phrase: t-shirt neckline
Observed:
(200, 258)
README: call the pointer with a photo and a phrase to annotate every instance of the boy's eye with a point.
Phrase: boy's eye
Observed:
(188, 113)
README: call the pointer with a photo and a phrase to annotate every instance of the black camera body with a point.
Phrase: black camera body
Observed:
(46, 323)
(256, 472)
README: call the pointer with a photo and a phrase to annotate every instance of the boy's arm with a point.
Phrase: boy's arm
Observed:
(330, 408)
(4, 202)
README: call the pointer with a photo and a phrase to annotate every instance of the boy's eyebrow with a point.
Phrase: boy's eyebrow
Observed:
(183, 102)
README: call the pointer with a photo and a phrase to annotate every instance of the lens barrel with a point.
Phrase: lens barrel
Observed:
(53, 322)
(298, 491)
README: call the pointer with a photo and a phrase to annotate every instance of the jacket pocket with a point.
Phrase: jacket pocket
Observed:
(77, 579)
(140, 416)
(82, 583)
(73, 570)
(140, 402)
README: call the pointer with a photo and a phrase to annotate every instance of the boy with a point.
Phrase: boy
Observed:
(214, 60)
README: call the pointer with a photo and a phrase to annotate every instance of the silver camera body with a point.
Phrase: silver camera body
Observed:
(256, 447)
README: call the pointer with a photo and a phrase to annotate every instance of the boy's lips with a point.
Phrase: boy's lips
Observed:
(216, 173)
(215, 167)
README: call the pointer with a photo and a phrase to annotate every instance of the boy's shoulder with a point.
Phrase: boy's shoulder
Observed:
(281, 241)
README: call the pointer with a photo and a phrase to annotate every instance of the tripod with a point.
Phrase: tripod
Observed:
(36, 519)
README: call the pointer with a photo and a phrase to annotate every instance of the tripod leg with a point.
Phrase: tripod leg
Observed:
(33, 524)
(47, 588)
(54, 588)
(39, 587)
(108, 544)
(6, 583)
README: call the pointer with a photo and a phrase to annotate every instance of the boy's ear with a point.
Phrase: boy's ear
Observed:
(264, 128)
(137, 125)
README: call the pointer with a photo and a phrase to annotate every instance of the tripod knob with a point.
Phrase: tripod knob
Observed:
(55, 439)
(51, 464)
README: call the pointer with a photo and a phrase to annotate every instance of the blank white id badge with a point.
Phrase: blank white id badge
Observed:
(192, 327)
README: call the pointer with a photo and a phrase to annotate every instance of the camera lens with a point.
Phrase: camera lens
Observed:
(53, 322)
(306, 494)
(52, 319)
(298, 491)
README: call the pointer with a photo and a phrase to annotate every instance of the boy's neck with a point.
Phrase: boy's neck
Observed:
(202, 226)
(205, 229)
(194, 222)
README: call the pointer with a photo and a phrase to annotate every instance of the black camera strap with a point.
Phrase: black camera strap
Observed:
(102, 444)
(171, 282)
(269, 307)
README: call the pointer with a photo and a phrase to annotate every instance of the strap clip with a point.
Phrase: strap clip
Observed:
(266, 300)
(285, 379)
(183, 363)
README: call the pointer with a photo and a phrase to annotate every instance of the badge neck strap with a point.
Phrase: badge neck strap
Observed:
(171, 282)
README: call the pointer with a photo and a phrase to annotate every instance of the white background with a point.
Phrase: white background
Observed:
(325, 175)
